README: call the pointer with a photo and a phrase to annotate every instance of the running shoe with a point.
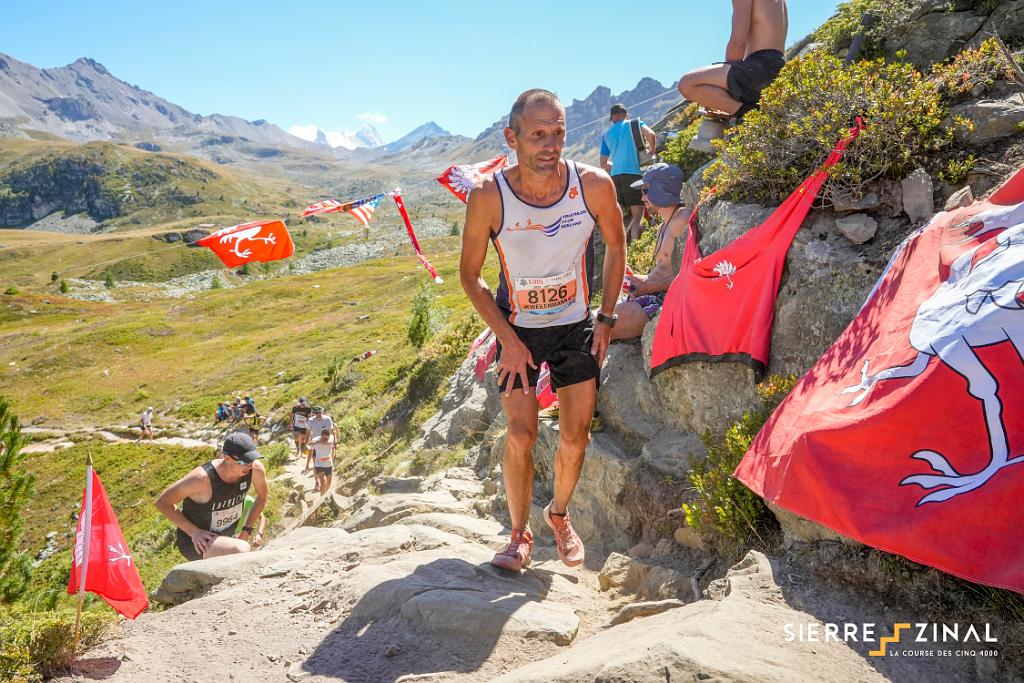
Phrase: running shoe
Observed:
(517, 555)
(570, 547)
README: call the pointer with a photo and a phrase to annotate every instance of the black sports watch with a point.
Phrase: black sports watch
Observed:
(608, 320)
(247, 529)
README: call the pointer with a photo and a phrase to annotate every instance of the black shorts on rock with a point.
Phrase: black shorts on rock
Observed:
(748, 77)
(627, 196)
(188, 549)
(566, 350)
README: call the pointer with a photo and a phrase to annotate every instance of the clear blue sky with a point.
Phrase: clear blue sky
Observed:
(398, 64)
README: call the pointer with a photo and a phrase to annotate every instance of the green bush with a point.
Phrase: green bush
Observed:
(108, 280)
(809, 107)
(640, 252)
(425, 318)
(838, 31)
(957, 170)
(275, 454)
(12, 290)
(677, 148)
(15, 492)
(727, 514)
(54, 276)
(215, 282)
(64, 287)
(981, 66)
(39, 644)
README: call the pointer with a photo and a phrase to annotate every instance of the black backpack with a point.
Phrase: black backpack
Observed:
(643, 157)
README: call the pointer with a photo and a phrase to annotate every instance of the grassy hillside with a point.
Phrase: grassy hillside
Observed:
(124, 187)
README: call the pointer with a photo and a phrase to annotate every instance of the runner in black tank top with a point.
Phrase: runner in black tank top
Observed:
(212, 498)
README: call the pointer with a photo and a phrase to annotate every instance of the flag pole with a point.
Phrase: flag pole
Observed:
(83, 565)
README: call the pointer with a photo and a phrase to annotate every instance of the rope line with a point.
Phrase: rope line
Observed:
(426, 181)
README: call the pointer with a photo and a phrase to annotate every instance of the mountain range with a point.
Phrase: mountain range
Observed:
(83, 101)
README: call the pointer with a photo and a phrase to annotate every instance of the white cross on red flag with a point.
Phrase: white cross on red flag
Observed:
(102, 562)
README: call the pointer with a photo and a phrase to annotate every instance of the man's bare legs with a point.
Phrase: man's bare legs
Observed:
(631, 322)
(708, 87)
(636, 213)
(225, 545)
(517, 463)
(576, 404)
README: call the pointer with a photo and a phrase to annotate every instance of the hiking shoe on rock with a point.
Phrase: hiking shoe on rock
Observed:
(570, 547)
(517, 555)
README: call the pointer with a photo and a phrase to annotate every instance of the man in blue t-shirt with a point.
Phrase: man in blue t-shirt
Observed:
(619, 159)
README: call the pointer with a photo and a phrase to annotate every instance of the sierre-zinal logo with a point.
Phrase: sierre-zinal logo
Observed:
(928, 639)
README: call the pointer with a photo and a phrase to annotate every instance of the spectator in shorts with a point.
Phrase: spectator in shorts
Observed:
(660, 187)
(619, 159)
(753, 58)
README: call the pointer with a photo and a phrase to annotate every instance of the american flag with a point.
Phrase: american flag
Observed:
(325, 206)
(363, 209)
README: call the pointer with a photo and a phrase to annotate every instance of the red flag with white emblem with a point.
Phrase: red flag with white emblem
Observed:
(257, 241)
(102, 563)
(908, 433)
(461, 180)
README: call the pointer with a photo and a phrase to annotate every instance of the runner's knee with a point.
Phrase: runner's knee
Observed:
(522, 435)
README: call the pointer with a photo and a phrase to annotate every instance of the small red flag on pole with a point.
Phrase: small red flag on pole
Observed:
(257, 241)
(102, 563)
(397, 196)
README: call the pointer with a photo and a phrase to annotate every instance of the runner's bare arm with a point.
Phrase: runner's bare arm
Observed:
(189, 485)
(742, 17)
(599, 190)
(259, 484)
(483, 216)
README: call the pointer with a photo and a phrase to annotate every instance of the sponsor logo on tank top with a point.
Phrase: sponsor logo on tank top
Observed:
(573, 192)
(564, 222)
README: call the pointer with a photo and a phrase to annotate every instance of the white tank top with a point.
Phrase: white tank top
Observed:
(546, 256)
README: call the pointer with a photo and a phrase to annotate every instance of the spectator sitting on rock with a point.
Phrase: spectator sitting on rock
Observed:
(753, 58)
(222, 412)
(660, 188)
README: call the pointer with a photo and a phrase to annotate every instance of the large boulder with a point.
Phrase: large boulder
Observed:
(467, 408)
(934, 34)
(993, 118)
(738, 637)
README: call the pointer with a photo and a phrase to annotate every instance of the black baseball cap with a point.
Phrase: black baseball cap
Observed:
(617, 108)
(240, 447)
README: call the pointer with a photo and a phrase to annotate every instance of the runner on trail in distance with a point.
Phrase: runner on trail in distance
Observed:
(301, 413)
(540, 215)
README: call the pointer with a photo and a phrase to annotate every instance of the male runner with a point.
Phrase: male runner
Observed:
(540, 214)
(212, 497)
(300, 425)
(323, 447)
(146, 424)
(753, 58)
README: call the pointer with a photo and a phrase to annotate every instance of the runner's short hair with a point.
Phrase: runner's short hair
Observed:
(532, 96)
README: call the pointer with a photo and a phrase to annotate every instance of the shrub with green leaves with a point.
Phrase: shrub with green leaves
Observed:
(64, 287)
(425, 318)
(39, 644)
(677, 148)
(12, 290)
(973, 67)
(727, 514)
(15, 491)
(838, 31)
(108, 280)
(809, 107)
(640, 252)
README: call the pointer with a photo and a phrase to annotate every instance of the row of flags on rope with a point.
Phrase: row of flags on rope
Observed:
(102, 562)
(270, 241)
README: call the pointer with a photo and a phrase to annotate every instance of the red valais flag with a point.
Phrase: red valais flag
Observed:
(102, 558)
(908, 433)
(257, 241)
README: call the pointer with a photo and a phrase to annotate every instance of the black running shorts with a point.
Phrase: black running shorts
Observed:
(627, 196)
(324, 470)
(565, 348)
(748, 77)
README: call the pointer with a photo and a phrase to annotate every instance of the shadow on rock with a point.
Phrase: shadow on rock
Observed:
(446, 615)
